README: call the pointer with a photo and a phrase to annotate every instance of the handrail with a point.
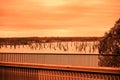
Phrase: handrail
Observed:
(61, 53)
(101, 70)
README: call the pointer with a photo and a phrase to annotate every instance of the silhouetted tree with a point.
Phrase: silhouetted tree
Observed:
(109, 47)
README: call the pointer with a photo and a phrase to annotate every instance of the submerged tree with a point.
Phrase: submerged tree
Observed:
(109, 47)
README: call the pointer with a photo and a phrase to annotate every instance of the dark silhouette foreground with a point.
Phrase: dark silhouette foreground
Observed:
(110, 45)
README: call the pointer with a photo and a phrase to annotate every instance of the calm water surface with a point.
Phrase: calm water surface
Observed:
(69, 47)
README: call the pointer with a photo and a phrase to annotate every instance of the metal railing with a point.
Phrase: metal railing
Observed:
(50, 58)
(17, 71)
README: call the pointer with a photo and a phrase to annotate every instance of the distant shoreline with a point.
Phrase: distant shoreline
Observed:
(53, 38)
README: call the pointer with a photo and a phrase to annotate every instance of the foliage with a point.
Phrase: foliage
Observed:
(110, 46)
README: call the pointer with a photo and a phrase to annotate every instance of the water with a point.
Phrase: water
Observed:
(54, 47)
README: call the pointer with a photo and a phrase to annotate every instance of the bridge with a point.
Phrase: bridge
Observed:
(49, 66)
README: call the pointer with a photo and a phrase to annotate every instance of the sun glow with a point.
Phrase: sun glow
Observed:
(57, 17)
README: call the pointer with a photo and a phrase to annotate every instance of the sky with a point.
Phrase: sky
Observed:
(57, 18)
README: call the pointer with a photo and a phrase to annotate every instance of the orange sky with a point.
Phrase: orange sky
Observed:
(57, 17)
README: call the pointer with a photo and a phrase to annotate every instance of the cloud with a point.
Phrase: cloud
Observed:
(68, 14)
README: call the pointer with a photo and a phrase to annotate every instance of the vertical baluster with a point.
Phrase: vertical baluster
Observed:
(14, 56)
(13, 74)
(64, 76)
(32, 58)
(73, 76)
(21, 57)
(110, 77)
(28, 74)
(56, 75)
(40, 74)
(37, 58)
(4, 57)
(117, 77)
(42, 58)
(18, 57)
(106, 77)
(46, 75)
(76, 75)
(17, 60)
(16, 72)
(53, 75)
(45, 78)
(43, 74)
(26, 77)
(28, 58)
(10, 57)
(60, 74)
(68, 75)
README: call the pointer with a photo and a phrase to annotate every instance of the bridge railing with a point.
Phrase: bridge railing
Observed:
(29, 71)
(52, 58)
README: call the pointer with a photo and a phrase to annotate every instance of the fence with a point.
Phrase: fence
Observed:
(56, 59)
